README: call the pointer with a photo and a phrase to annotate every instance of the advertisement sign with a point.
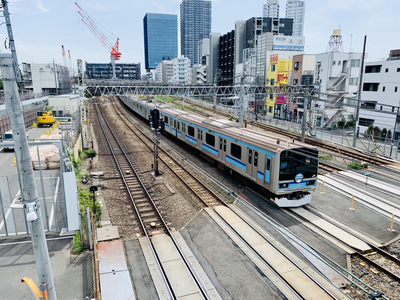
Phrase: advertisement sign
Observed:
(273, 60)
(281, 99)
(294, 43)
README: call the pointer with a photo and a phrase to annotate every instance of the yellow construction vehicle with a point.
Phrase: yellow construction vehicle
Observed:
(45, 118)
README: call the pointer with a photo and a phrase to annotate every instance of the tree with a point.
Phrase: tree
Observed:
(384, 133)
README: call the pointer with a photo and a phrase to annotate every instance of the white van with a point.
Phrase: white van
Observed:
(8, 138)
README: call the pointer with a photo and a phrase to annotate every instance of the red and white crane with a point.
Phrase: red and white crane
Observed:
(104, 40)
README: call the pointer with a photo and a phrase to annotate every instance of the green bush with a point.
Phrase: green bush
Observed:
(90, 153)
(78, 248)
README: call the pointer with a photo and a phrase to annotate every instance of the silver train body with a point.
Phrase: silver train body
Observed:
(287, 169)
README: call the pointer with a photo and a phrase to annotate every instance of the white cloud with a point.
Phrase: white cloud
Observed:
(40, 6)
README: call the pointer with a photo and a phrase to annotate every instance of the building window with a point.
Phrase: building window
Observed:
(395, 89)
(295, 81)
(272, 81)
(333, 62)
(355, 63)
(370, 87)
(398, 69)
(383, 89)
(353, 81)
(272, 68)
(270, 109)
(339, 62)
(386, 70)
(296, 65)
(373, 69)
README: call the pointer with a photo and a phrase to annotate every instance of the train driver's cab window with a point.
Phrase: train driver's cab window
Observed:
(191, 131)
(236, 151)
(210, 139)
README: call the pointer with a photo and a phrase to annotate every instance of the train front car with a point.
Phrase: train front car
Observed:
(297, 176)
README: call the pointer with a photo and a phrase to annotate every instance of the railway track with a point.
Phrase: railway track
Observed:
(153, 226)
(378, 258)
(147, 213)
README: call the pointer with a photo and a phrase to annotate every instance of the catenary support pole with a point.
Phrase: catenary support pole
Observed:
(359, 94)
(26, 176)
(305, 112)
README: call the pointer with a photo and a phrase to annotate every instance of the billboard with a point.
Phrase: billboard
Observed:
(293, 43)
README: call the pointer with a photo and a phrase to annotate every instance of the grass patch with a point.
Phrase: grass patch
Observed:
(357, 166)
(325, 156)
(78, 247)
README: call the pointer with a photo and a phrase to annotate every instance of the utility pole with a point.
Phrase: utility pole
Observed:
(11, 75)
(359, 93)
(305, 112)
(26, 176)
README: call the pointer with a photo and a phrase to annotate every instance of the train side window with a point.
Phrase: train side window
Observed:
(236, 151)
(191, 131)
(268, 167)
(250, 156)
(255, 158)
(224, 145)
(179, 125)
(210, 139)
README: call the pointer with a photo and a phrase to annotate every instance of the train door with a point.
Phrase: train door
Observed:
(249, 168)
(222, 149)
(268, 170)
(252, 163)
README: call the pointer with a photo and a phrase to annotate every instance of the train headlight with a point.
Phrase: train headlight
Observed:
(299, 178)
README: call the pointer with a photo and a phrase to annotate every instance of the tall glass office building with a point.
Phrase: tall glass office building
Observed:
(160, 38)
(195, 25)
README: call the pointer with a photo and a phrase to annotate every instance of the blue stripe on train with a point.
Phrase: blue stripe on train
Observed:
(209, 149)
(235, 162)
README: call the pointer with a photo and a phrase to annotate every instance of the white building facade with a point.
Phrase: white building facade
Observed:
(48, 78)
(295, 9)
(381, 96)
(271, 9)
(182, 72)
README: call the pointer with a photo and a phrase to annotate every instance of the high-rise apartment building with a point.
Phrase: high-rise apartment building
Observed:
(160, 38)
(195, 25)
(295, 9)
(271, 9)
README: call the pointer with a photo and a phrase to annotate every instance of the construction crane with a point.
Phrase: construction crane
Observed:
(104, 40)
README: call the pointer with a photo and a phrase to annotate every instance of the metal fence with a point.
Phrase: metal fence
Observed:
(12, 215)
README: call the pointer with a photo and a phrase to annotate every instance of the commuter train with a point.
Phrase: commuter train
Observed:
(287, 169)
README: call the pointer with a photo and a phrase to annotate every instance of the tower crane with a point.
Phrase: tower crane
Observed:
(104, 40)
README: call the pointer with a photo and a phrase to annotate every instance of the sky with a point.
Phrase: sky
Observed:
(40, 27)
